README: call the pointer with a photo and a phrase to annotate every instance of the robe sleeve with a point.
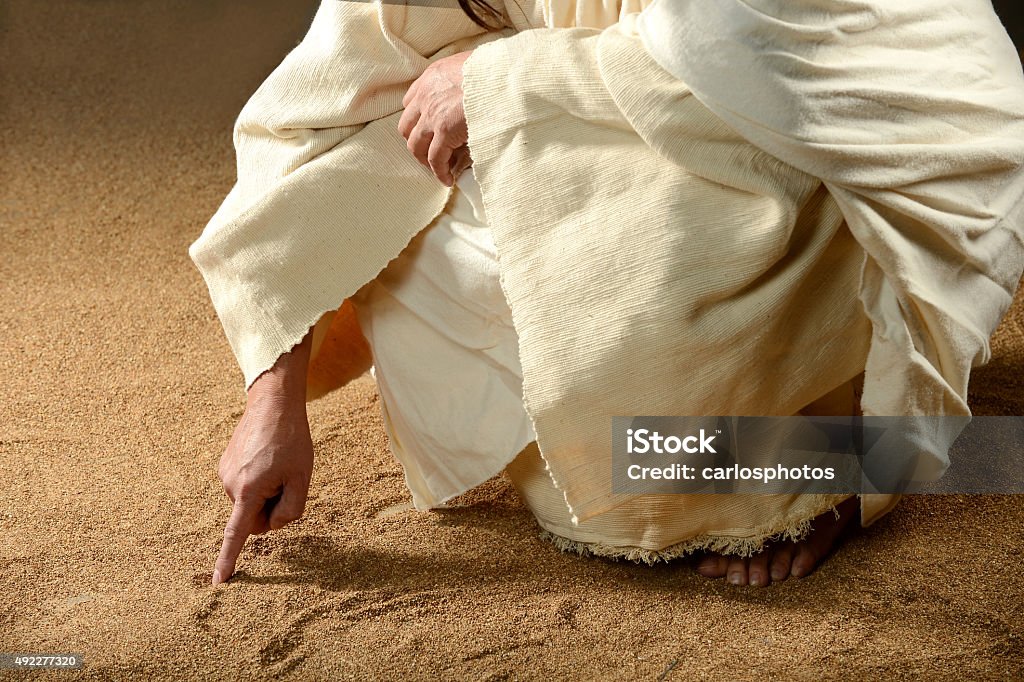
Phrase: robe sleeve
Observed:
(327, 192)
(912, 113)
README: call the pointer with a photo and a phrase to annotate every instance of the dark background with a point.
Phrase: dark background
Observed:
(1010, 12)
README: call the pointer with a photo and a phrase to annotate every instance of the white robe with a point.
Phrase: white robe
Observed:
(592, 158)
(446, 356)
(912, 114)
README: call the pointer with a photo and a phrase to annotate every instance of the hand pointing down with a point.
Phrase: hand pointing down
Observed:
(268, 463)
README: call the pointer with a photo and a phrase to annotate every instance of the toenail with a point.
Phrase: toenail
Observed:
(736, 578)
(756, 579)
(778, 573)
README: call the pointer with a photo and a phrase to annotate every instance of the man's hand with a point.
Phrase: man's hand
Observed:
(434, 121)
(268, 463)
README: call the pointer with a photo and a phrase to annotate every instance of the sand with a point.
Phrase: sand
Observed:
(120, 393)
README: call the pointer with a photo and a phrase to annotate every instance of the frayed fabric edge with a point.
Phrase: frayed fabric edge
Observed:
(296, 338)
(737, 546)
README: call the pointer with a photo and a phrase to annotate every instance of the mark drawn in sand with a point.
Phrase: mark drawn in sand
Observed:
(289, 646)
(394, 509)
(208, 605)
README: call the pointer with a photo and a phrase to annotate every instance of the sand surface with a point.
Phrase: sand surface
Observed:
(120, 393)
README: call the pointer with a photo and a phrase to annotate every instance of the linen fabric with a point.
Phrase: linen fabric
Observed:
(653, 259)
(446, 363)
(912, 114)
(445, 355)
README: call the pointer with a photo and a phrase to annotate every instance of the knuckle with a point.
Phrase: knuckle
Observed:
(246, 490)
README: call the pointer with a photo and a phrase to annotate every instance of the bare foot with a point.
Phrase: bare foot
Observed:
(781, 560)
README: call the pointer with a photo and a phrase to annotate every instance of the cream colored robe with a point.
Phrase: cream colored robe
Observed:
(654, 260)
(912, 114)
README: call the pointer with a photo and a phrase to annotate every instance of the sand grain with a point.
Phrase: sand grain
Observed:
(120, 393)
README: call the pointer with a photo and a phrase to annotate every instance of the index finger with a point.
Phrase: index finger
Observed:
(235, 534)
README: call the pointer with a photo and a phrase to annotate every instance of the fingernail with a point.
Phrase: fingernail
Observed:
(216, 577)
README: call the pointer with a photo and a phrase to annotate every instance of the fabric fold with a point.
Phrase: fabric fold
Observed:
(288, 245)
(670, 242)
(653, 260)
(912, 114)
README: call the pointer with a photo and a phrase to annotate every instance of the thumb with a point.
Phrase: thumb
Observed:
(291, 505)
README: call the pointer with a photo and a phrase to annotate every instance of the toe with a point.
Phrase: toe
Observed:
(737, 571)
(712, 566)
(782, 561)
(825, 533)
(805, 560)
(758, 571)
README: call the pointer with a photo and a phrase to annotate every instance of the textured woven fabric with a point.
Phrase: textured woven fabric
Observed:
(654, 260)
(446, 364)
(445, 355)
(912, 114)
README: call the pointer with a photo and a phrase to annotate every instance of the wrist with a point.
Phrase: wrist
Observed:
(283, 384)
(286, 380)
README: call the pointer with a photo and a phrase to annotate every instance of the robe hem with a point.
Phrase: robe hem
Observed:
(744, 546)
